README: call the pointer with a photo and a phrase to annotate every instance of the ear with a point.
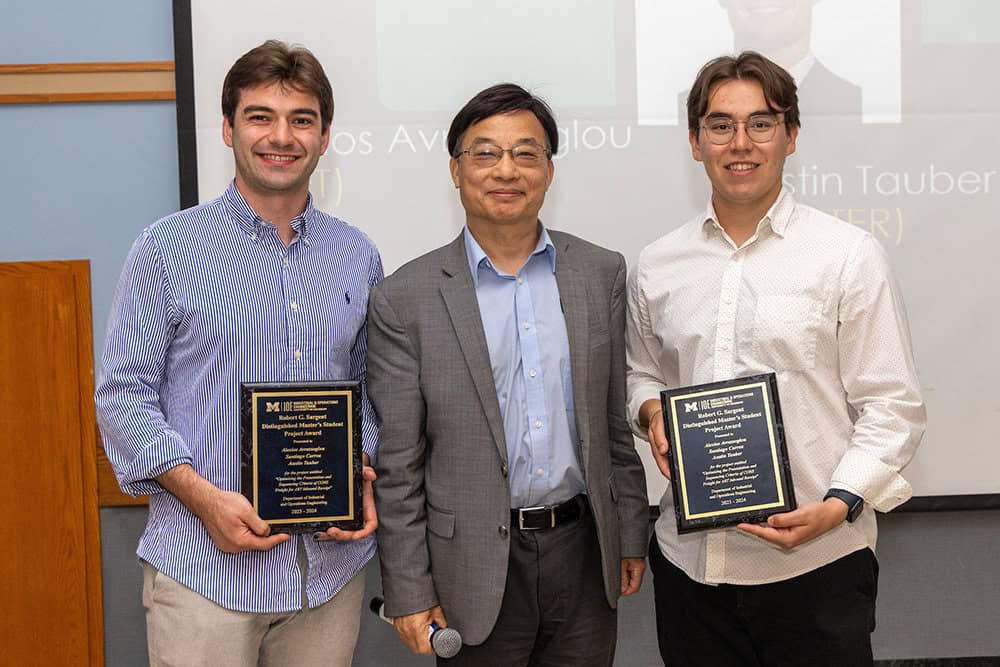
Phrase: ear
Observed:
(552, 172)
(227, 131)
(453, 168)
(695, 146)
(793, 134)
(326, 141)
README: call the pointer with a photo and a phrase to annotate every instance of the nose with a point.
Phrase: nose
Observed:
(506, 168)
(281, 132)
(741, 140)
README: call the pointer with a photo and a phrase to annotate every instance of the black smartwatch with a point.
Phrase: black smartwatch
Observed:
(854, 503)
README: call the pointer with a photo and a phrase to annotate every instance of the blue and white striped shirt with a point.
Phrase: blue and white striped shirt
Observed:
(210, 297)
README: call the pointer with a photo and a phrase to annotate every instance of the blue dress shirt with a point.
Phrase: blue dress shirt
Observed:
(210, 297)
(529, 354)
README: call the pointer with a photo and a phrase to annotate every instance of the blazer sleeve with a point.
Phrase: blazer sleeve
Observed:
(395, 394)
(629, 476)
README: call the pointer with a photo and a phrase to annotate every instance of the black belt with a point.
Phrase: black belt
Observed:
(538, 518)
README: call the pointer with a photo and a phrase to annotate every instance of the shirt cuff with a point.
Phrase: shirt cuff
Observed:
(638, 395)
(138, 478)
(880, 485)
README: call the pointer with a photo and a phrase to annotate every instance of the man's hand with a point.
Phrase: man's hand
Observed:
(632, 571)
(228, 517)
(234, 526)
(368, 508)
(414, 629)
(809, 521)
(651, 415)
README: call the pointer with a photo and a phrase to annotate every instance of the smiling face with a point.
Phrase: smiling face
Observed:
(277, 139)
(745, 176)
(505, 193)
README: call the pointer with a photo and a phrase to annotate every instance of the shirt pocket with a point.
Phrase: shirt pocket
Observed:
(785, 331)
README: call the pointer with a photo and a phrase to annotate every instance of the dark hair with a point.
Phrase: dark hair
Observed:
(778, 85)
(293, 67)
(502, 98)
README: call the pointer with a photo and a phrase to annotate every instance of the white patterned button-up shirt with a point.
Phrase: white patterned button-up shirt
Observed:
(812, 299)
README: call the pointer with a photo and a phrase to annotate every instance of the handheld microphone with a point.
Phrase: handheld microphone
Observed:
(446, 642)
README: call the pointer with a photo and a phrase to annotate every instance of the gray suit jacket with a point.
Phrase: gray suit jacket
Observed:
(442, 492)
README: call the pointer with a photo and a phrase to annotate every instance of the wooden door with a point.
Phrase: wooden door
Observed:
(50, 552)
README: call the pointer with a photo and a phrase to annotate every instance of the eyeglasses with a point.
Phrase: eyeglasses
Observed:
(760, 129)
(527, 154)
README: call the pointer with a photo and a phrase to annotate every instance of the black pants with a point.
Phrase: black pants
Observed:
(554, 612)
(823, 617)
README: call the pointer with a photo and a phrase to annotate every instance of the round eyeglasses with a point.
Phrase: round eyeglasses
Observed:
(759, 128)
(527, 154)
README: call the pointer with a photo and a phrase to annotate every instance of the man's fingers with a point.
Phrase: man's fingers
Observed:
(788, 519)
(348, 535)
(772, 535)
(257, 525)
(370, 519)
(754, 529)
(661, 460)
(412, 629)
(663, 465)
(255, 543)
(632, 571)
(659, 444)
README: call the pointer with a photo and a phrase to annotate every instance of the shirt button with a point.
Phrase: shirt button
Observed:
(298, 354)
(294, 305)
(520, 281)
(538, 423)
(539, 472)
(527, 326)
(503, 532)
(532, 373)
(286, 261)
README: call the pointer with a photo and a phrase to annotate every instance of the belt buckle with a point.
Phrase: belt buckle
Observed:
(521, 512)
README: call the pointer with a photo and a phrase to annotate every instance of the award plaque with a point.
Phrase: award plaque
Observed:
(728, 460)
(300, 453)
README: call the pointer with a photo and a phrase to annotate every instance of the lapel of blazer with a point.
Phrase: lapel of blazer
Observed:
(459, 296)
(572, 283)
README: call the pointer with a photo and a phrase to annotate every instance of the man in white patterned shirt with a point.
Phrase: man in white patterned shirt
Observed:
(760, 283)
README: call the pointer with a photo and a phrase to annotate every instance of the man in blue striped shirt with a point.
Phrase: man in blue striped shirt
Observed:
(254, 286)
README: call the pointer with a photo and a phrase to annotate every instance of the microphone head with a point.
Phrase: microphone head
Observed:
(446, 642)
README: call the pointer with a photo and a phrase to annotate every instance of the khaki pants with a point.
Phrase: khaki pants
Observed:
(185, 629)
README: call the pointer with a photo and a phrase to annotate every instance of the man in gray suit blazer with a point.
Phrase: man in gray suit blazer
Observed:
(511, 500)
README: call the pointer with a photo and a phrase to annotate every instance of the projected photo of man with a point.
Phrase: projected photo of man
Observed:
(844, 56)
(782, 29)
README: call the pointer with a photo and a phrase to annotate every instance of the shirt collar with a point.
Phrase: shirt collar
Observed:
(248, 220)
(777, 217)
(477, 256)
(800, 70)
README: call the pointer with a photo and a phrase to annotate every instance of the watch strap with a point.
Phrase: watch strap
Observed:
(854, 503)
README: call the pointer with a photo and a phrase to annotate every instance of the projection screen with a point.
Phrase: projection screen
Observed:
(899, 137)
